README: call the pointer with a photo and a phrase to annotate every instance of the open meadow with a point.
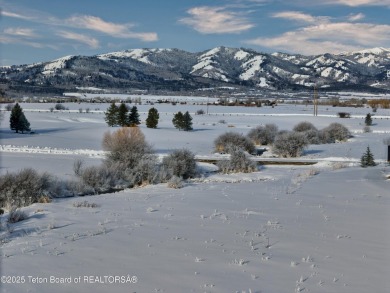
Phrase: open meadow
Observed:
(284, 228)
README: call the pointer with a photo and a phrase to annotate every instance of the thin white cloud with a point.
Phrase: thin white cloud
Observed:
(356, 17)
(21, 32)
(328, 38)
(216, 20)
(14, 15)
(300, 16)
(12, 40)
(84, 22)
(91, 42)
(113, 29)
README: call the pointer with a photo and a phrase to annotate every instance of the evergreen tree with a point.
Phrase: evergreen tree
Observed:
(24, 124)
(112, 115)
(178, 120)
(367, 159)
(122, 115)
(368, 120)
(18, 121)
(134, 117)
(152, 120)
(187, 121)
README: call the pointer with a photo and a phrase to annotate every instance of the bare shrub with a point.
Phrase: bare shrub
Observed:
(144, 173)
(334, 132)
(59, 107)
(344, 115)
(263, 135)
(312, 136)
(290, 144)
(338, 165)
(180, 163)
(127, 145)
(84, 204)
(230, 141)
(9, 107)
(175, 182)
(16, 215)
(304, 126)
(44, 199)
(22, 188)
(100, 178)
(366, 129)
(77, 167)
(239, 162)
(310, 132)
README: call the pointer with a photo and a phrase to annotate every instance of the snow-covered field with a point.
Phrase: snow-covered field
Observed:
(281, 229)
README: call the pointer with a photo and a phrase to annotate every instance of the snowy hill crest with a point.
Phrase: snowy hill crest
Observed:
(172, 69)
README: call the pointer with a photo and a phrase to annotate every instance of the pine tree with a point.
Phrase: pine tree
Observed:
(187, 121)
(133, 119)
(152, 120)
(368, 120)
(122, 115)
(18, 121)
(24, 124)
(367, 160)
(112, 115)
(178, 120)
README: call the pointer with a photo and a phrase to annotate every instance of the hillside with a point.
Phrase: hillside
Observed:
(177, 70)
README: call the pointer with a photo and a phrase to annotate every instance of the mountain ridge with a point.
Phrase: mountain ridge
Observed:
(178, 70)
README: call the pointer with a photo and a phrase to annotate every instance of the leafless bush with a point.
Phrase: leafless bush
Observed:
(9, 107)
(22, 188)
(239, 162)
(145, 172)
(334, 132)
(344, 115)
(289, 144)
(175, 182)
(304, 126)
(77, 167)
(263, 135)
(366, 129)
(338, 165)
(84, 204)
(180, 163)
(59, 107)
(126, 145)
(100, 178)
(312, 136)
(16, 215)
(230, 141)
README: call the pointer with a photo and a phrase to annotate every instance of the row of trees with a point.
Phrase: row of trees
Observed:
(121, 116)
(182, 121)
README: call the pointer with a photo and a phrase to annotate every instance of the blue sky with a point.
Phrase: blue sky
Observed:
(42, 30)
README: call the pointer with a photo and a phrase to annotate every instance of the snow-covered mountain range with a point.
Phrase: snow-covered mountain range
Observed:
(177, 70)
